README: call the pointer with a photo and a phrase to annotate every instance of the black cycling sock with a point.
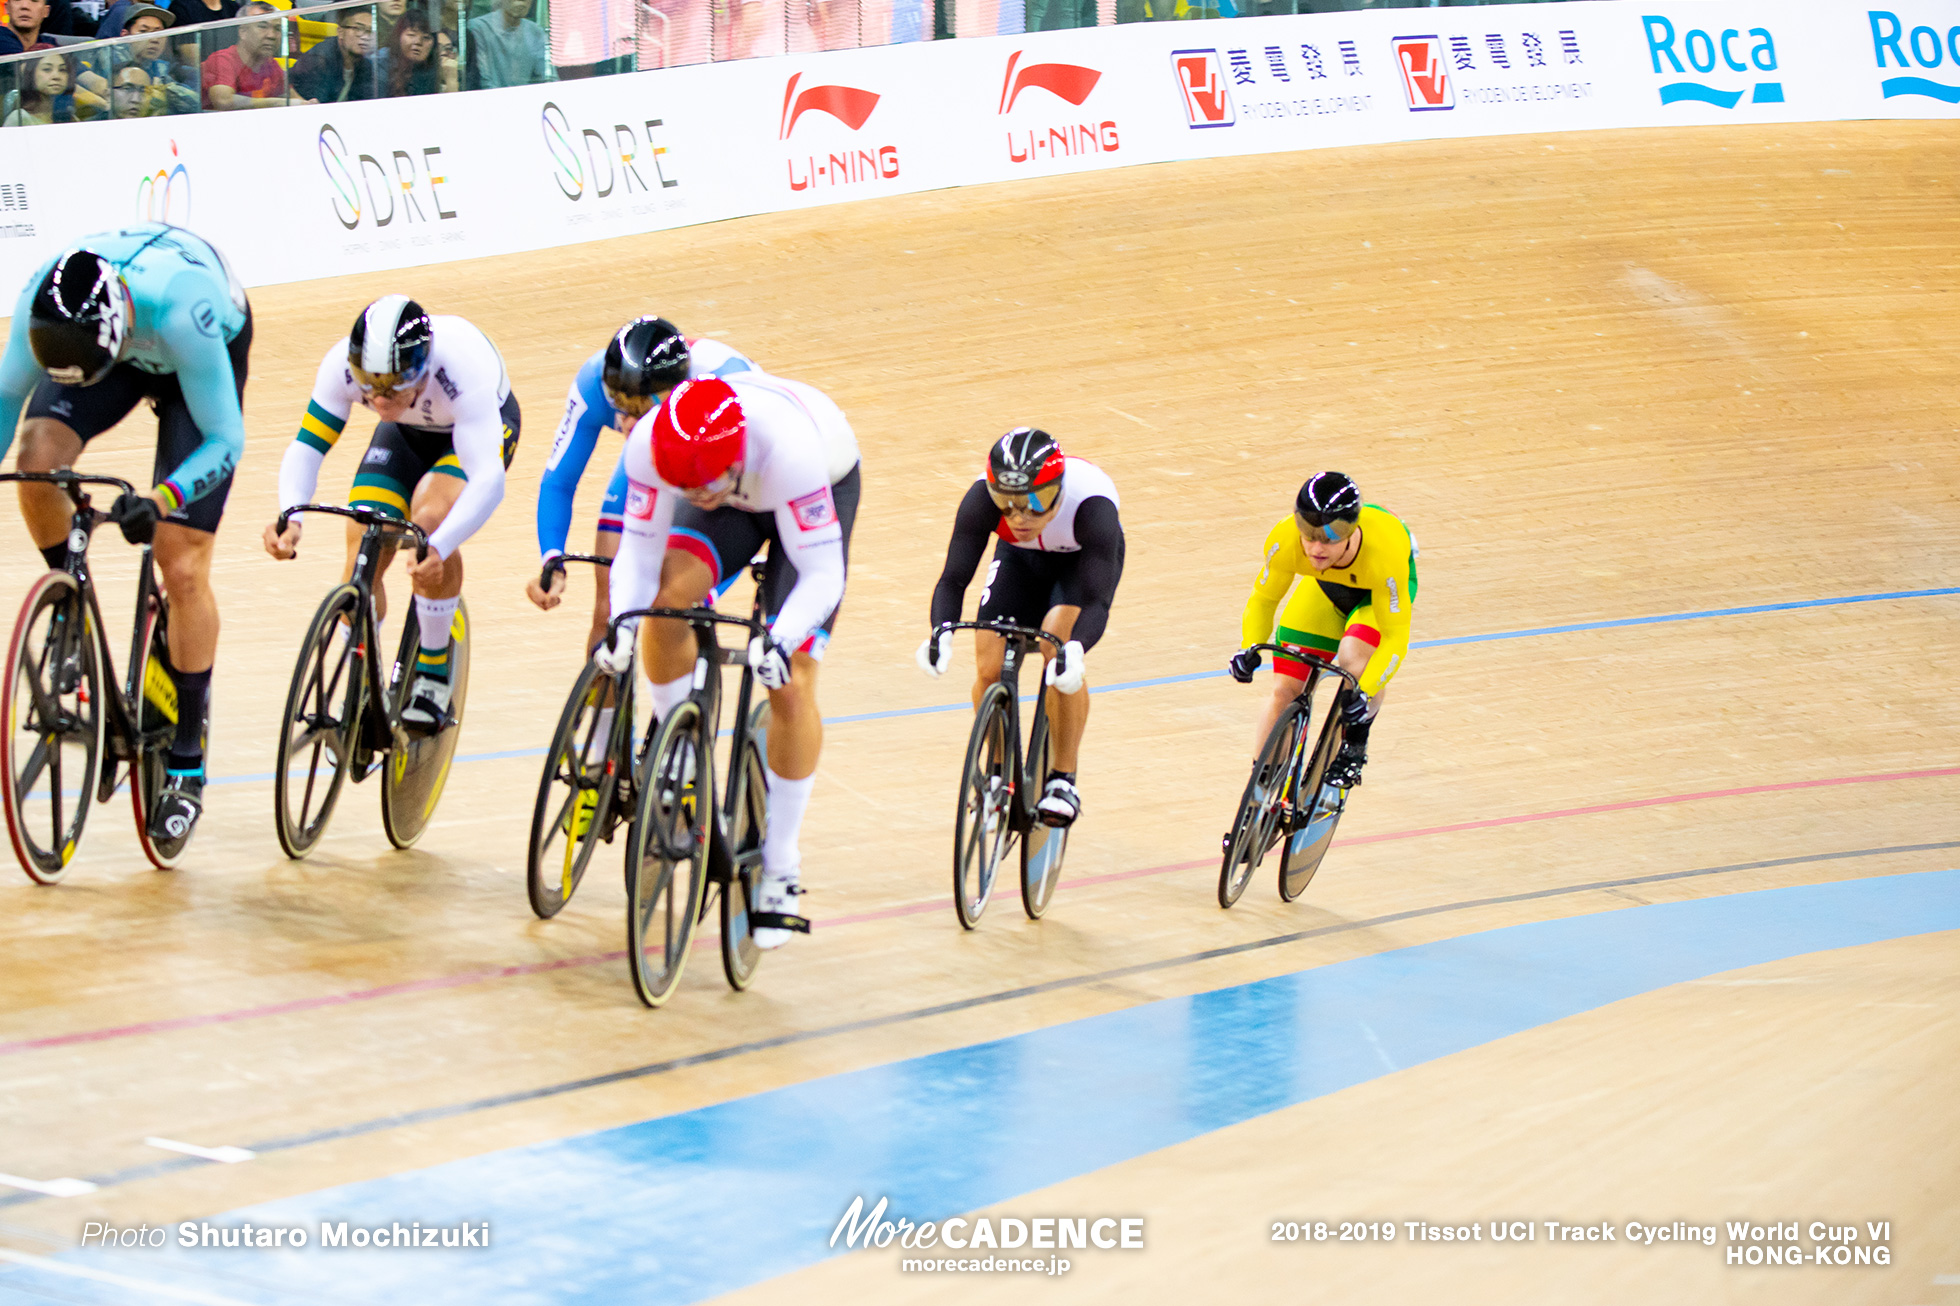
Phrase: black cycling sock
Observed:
(56, 555)
(186, 764)
(1062, 775)
(1358, 735)
(192, 689)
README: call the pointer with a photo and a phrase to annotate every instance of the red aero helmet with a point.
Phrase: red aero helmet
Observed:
(698, 433)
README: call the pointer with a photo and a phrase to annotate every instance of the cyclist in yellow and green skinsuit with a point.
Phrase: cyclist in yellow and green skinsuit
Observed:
(1356, 565)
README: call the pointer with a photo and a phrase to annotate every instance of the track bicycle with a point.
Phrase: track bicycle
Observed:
(1292, 763)
(685, 837)
(999, 790)
(577, 807)
(343, 710)
(63, 708)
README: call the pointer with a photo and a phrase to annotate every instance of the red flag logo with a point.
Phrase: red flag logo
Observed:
(847, 104)
(1070, 81)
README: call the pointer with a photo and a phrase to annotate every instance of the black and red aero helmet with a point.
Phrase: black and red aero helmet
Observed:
(1024, 468)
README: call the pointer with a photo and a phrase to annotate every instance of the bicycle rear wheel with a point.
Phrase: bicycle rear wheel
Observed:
(1316, 810)
(156, 715)
(575, 794)
(982, 823)
(52, 700)
(418, 765)
(1257, 824)
(667, 855)
(1043, 846)
(323, 708)
(746, 826)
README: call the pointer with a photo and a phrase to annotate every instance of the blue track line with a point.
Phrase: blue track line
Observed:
(685, 1207)
(1531, 633)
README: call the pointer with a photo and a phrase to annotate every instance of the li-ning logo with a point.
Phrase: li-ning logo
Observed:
(1070, 81)
(847, 104)
(1201, 80)
(361, 177)
(621, 157)
(1425, 77)
(165, 195)
(850, 106)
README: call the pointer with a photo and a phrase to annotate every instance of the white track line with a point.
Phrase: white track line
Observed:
(228, 1155)
(45, 1265)
(49, 1187)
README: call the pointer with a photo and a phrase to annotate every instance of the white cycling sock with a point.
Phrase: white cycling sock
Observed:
(787, 801)
(595, 751)
(668, 696)
(435, 616)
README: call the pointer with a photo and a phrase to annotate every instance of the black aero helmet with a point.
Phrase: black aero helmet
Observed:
(644, 357)
(390, 346)
(1024, 470)
(1328, 507)
(79, 319)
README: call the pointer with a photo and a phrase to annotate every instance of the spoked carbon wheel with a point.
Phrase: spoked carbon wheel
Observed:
(576, 792)
(1043, 846)
(667, 856)
(746, 826)
(983, 824)
(156, 710)
(418, 764)
(323, 708)
(1257, 823)
(1315, 811)
(52, 700)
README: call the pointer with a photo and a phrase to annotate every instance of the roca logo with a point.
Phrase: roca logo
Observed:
(1732, 49)
(165, 195)
(587, 161)
(366, 190)
(850, 106)
(1892, 41)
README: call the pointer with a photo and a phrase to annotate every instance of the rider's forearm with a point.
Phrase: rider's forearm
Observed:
(299, 473)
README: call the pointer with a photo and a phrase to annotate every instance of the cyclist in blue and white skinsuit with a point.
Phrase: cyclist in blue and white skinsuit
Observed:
(617, 386)
(148, 311)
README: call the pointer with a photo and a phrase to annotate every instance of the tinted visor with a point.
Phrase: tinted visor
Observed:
(69, 352)
(1032, 504)
(386, 384)
(631, 404)
(1318, 526)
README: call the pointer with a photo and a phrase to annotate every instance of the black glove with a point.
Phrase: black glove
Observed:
(138, 517)
(1243, 664)
(1355, 708)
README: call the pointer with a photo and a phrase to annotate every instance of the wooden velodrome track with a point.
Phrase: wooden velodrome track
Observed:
(1603, 376)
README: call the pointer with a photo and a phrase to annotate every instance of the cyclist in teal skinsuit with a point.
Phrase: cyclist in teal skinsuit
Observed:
(148, 311)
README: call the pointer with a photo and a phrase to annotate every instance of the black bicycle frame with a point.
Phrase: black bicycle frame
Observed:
(1020, 642)
(710, 657)
(378, 728)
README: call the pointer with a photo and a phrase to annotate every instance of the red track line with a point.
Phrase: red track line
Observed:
(908, 909)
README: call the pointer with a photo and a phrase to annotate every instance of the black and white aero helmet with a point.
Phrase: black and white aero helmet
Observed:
(390, 345)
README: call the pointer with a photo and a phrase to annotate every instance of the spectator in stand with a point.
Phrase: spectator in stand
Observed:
(334, 70)
(48, 93)
(166, 86)
(245, 75)
(507, 48)
(387, 14)
(26, 21)
(410, 65)
(191, 14)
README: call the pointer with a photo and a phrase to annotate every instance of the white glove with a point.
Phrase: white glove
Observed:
(769, 662)
(936, 654)
(1065, 672)
(616, 658)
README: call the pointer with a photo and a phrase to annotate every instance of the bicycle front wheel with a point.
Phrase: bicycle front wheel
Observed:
(1043, 846)
(667, 855)
(52, 745)
(418, 765)
(982, 823)
(1257, 824)
(747, 823)
(1316, 810)
(575, 794)
(316, 743)
(156, 716)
